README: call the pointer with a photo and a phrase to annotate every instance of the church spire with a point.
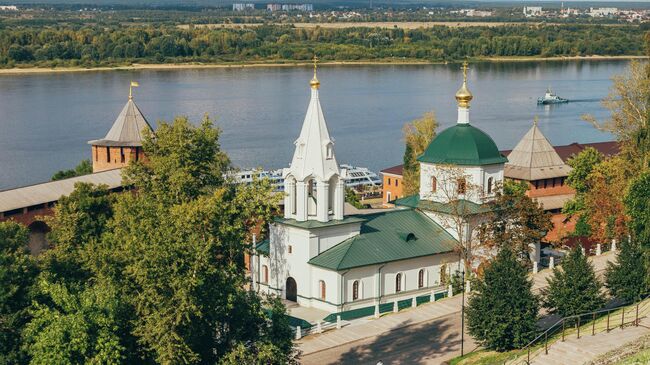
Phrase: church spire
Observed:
(464, 96)
(313, 183)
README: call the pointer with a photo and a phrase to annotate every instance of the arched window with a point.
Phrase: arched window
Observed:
(489, 186)
(321, 286)
(329, 151)
(265, 274)
(462, 185)
(434, 184)
(398, 283)
(421, 278)
(355, 290)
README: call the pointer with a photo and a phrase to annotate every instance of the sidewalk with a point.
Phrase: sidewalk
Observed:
(369, 327)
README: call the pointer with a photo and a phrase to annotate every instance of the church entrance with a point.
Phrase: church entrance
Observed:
(291, 290)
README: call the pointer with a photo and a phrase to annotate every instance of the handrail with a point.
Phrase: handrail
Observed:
(563, 320)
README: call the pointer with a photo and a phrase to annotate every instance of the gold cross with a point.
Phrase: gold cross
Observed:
(315, 59)
(465, 68)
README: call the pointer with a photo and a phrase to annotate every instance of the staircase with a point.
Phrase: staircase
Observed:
(580, 351)
(580, 339)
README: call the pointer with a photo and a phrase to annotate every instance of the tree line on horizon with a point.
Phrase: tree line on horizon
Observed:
(90, 46)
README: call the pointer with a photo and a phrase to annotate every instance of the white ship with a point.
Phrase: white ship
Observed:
(358, 178)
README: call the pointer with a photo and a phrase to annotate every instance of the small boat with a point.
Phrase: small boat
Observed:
(551, 98)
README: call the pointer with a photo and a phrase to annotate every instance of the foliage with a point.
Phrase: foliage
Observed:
(156, 275)
(502, 312)
(515, 220)
(637, 206)
(17, 275)
(76, 328)
(573, 288)
(85, 167)
(352, 198)
(118, 43)
(604, 202)
(629, 103)
(627, 278)
(78, 219)
(417, 136)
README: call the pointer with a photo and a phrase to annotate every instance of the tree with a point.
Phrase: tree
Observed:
(626, 279)
(515, 220)
(637, 206)
(175, 247)
(573, 288)
(84, 327)
(502, 311)
(629, 102)
(85, 167)
(17, 276)
(352, 198)
(417, 135)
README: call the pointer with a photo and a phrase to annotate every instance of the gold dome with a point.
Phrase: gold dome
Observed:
(463, 95)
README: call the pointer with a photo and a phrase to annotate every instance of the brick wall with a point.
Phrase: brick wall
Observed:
(108, 158)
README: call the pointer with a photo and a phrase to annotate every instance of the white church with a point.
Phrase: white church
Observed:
(319, 257)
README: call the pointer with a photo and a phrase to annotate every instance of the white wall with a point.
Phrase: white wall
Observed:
(447, 175)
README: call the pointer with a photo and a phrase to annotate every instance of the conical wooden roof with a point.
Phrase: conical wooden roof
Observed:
(534, 158)
(127, 129)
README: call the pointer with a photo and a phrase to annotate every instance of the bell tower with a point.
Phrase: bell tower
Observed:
(123, 142)
(314, 187)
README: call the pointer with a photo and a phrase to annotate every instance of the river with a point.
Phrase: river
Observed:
(46, 119)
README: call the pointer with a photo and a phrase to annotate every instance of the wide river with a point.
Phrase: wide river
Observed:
(46, 119)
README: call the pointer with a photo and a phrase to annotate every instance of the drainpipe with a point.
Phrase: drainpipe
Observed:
(379, 283)
(342, 293)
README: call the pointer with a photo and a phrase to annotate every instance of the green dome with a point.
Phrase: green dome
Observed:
(462, 144)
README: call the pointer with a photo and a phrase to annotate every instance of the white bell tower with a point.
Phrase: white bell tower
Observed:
(313, 184)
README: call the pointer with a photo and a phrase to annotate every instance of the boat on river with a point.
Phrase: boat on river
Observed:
(551, 98)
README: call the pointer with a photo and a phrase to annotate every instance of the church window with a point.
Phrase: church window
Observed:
(421, 278)
(434, 184)
(265, 274)
(301, 150)
(355, 290)
(489, 186)
(322, 289)
(329, 151)
(462, 185)
(398, 283)
(108, 154)
(290, 249)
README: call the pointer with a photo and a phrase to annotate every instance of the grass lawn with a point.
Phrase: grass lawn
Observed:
(642, 357)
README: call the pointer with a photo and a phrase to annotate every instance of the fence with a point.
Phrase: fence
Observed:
(579, 325)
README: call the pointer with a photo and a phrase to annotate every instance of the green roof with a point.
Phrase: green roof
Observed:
(463, 144)
(461, 206)
(385, 237)
(263, 247)
(311, 224)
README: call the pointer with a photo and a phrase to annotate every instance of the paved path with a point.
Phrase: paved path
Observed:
(428, 334)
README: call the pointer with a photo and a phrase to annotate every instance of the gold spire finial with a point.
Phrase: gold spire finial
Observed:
(315, 84)
(131, 86)
(463, 95)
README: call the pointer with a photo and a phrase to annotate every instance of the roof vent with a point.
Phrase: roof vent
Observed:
(407, 236)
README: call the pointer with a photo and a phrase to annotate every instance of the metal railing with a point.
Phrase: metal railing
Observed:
(591, 323)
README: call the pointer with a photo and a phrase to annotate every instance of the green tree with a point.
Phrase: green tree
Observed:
(627, 277)
(582, 165)
(79, 219)
(417, 136)
(176, 245)
(515, 220)
(637, 206)
(85, 167)
(17, 276)
(573, 288)
(352, 198)
(76, 328)
(502, 312)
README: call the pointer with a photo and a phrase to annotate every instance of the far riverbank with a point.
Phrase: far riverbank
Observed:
(194, 65)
